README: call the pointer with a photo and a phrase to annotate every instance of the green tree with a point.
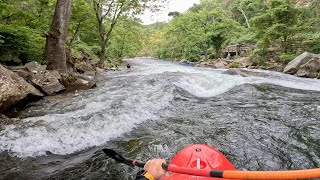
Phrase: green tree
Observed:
(279, 23)
(107, 14)
(126, 39)
(205, 26)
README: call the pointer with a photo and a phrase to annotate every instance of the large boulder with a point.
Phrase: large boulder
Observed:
(294, 65)
(311, 69)
(14, 89)
(20, 70)
(47, 81)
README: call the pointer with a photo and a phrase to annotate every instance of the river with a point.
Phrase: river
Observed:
(268, 121)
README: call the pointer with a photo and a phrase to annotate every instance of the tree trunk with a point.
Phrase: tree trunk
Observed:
(285, 44)
(245, 16)
(102, 55)
(55, 52)
(206, 54)
(76, 33)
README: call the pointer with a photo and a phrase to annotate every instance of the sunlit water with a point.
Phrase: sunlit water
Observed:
(267, 121)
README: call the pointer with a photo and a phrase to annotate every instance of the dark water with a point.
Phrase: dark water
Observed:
(269, 122)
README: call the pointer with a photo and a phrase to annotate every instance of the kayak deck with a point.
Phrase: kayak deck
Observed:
(198, 156)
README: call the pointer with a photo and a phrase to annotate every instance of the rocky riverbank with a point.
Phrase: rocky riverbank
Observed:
(20, 85)
(305, 65)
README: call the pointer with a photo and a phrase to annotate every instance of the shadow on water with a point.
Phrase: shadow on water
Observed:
(258, 127)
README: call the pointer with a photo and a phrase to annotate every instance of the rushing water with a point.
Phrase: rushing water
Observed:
(267, 121)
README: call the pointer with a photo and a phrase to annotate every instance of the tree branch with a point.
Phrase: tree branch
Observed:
(109, 9)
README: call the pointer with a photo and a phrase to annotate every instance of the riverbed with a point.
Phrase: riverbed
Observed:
(267, 121)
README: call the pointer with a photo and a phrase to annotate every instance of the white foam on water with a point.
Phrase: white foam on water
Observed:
(68, 133)
(94, 122)
(290, 81)
(208, 85)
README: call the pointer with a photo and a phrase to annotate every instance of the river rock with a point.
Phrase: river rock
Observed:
(311, 69)
(99, 71)
(14, 89)
(235, 72)
(47, 81)
(183, 61)
(294, 65)
(34, 67)
(23, 73)
(220, 64)
(85, 77)
(81, 84)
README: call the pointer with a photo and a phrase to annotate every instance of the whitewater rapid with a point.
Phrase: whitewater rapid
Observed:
(121, 102)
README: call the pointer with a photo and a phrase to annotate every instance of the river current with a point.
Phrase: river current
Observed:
(267, 121)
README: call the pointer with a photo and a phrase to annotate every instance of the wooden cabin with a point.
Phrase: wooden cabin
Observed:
(236, 50)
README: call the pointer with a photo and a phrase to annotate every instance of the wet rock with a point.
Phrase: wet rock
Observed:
(235, 72)
(185, 62)
(85, 77)
(47, 81)
(84, 84)
(100, 71)
(81, 84)
(294, 65)
(311, 69)
(14, 89)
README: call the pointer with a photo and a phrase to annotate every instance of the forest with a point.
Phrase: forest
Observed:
(109, 30)
(277, 30)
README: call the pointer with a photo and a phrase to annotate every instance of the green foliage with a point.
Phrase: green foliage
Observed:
(311, 44)
(258, 57)
(188, 36)
(235, 65)
(35, 14)
(212, 56)
(274, 27)
(277, 24)
(125, 41)
(22, 40)
(1, 39)
(286, 58)
(81, 48)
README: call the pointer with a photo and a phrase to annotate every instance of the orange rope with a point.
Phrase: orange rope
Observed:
(273, 175)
